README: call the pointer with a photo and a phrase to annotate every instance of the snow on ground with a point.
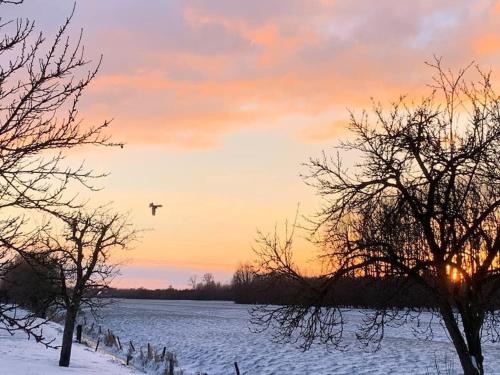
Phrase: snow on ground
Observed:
(20, 356)
(211, 336)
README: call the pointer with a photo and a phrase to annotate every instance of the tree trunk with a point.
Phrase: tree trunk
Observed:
(69, 327)
(472, 327)
(475, 350)
(471, 364)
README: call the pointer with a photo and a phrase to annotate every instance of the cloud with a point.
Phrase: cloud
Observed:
(319, 132)
(186, 73)
(487, 44)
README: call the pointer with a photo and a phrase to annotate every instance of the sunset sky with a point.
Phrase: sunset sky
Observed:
(221, 101)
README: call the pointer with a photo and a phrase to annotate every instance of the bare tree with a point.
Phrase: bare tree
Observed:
(81, 254)
(243, 276)
(208, 280)
(193, 281)
(41, 82)
(421, 205)
(244, 284)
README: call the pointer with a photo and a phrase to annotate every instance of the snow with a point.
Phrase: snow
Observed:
(26, 357)
(210, 336)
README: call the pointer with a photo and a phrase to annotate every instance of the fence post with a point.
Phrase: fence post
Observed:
(132, 346)
(97, 346)
(119, 343)
(237, 368)
(163, 353)
(129, 357)
(170, 366)
(79, 333)
(150, 352)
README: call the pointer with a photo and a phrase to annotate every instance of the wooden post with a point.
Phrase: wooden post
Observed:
(163, 353)
(170, 366)
(79, 333)
(92, 327)
(109, 339)
(119, 343)
(97, 346)
(237, 368)
(132, 346)
(129, 357)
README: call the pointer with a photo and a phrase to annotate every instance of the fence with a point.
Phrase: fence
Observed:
(144, 357)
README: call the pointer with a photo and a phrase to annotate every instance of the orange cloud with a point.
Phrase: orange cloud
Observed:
(323, 131)
(222, 68)
(487, 44)
(198, 113)
(496, 8)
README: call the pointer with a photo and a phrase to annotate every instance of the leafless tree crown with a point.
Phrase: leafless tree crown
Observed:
(41, 82)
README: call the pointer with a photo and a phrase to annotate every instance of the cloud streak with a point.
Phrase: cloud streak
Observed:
(186, 73)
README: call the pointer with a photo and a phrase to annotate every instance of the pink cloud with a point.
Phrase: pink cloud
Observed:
(223, 67)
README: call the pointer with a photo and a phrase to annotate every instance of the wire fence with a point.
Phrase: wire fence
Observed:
(142, 356)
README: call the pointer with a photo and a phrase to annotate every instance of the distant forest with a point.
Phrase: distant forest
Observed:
(247, 287)
(361, 292)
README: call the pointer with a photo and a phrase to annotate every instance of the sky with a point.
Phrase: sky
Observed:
(221, 102)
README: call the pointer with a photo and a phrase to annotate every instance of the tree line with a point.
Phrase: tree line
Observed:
(248, 286)
(207, 289)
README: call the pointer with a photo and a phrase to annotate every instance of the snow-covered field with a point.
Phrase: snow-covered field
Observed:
(22, 357)
(211, 336)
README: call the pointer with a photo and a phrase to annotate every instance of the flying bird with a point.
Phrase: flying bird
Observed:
(154, 207)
